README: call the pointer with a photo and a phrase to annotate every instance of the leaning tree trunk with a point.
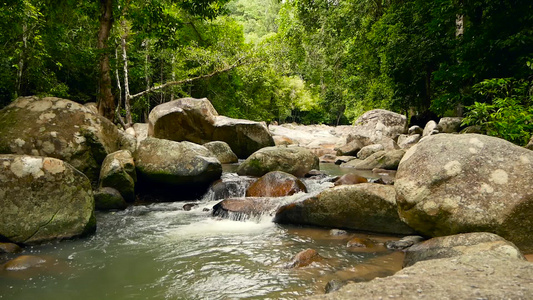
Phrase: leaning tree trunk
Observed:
(105, 101)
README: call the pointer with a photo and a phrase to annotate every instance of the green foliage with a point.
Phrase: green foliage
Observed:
(508, 113)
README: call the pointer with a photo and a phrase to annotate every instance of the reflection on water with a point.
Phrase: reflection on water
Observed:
(160, 251)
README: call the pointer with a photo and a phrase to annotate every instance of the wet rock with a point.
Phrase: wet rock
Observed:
(9, 248)
(118, 172)
(357, 242)
(337, 232)
(241, 209)
(431, 128)
(58, 128)
(450, 124)
(196, 120)
(415, 130)
(304, 258)
(222, 152)
(366, 151)
(350, 149)
(276, 184)
(348, 179)
(24, 262)
(189, 206)
(334, 285)
(108, 198)
(365, 206)
(404, 242)
(383, 160)
(293, 160)
(43, 199)
(449, 184)
(460, 244)
(230, 187)
(167, 167)
(472, 276)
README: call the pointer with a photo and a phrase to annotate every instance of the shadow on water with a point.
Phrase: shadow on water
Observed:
(161, 251)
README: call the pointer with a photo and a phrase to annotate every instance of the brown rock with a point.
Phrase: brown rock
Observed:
(276, 184)
(351, 178)
(304, 258)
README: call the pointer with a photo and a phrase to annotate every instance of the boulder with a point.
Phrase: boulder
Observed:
(108, 198)
(240, 209)
(328, 158)
(222, 152)
(293, 160)
(377, 124)
(348, 179)
(167, 167)
(431, 128)
(350, 149)
(450, 124)
(281, 140)
(449, 184)
(487, 275)
(406, 142)
(403, 243)
(343, 159)
(366, 151)
(118, 172)
(43, 199)
(530, 144)
(196, 120)
(141, 132)
(58, 128)
(415, 130)
(460, 244)
(365, 206)
(229, 186)
(388, 160)
(276, 184)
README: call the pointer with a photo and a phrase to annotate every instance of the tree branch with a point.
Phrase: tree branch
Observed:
(188, 80)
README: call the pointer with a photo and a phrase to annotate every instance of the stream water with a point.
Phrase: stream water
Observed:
(160, 251)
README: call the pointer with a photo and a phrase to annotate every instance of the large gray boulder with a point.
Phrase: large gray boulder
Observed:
(449, 184)
(485, 275)
(293, 160)
(222, 152)
(118, 172)
(377, 125)
(43, 199)
(388, 160)
(58, 128)
(196, 120)
(365, 206)
(175, 166)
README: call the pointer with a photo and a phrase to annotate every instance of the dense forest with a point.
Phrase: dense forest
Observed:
(309, 61)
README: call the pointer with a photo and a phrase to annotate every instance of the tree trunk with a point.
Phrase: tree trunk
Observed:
(147, 78)
(127, 96)
(105, 100)
(21, 64)
(117, 110)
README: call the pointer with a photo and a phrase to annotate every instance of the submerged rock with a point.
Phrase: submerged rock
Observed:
(293, 160)
(178, 169)
(304, 258)
(276, 184)
(43, 199)
(9, 248)
(449, 184)
(196, 120)
(58, 128)
(365, 206)
(24, 262)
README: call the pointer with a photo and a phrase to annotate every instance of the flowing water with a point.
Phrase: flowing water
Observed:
(160, 251)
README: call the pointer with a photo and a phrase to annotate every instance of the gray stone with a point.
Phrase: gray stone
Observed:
(408, 141)
(377, 124)
(431, 128)
(366, 151)
(222, 152)
(107, 198)
(388, 160)
(118, 172)
(364, 206)
(43, 199)
(141, 132)
(450, 124)
(449, 184)
(293, 160)
(415, 130)
(350, 149)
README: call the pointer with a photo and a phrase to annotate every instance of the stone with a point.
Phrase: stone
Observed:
(43, 199)
(189, 206)
(141, 132)
(375, 125)
(196, 120)
(366, 206)
(474, 276)
(382, 160)
(118, 172)
(409, 141)
(431, 128)
(357, 242)
(460, 244)
(530, 144)
(293, 160)
(366, 151)
(168, 167)
(403, 243)
(276, 184)
(350, 149)
(281, 140)
(58, 128)
(230, 187)
(348, 179)
(450, 124)
(107, 198)
(328, 158)
(337, 232)
(222, 152)
(241, 209)
(415, 130)
(9, 248)
(304, 258)
(344, 159)
(24, 262)
(449, 184)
